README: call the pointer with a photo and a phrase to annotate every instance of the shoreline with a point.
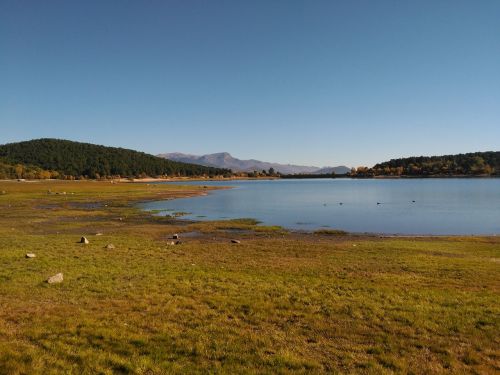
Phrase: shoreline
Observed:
(201, 191)
(242, 178)
(317, 231)
(181, 179)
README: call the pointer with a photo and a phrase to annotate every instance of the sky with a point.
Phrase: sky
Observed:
(351, 82)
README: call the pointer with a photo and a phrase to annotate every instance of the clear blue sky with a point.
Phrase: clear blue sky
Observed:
(314, 82)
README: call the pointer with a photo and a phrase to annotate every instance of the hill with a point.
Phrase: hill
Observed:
(337, 170)
(470, 164)
(225, 160)
(76, 159)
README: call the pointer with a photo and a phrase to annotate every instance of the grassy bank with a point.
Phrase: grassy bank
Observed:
(277, 302)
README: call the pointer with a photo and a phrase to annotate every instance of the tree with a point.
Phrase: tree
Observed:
(93, 161)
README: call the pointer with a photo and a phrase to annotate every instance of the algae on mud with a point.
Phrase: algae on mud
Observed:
(278, 302)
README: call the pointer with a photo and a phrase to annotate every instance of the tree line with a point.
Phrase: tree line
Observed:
(54, 158)
(471, 164)
(18, 171)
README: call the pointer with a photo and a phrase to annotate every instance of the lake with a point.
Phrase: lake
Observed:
(391, 206)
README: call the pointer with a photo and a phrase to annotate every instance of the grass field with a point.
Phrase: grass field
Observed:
(277, 302)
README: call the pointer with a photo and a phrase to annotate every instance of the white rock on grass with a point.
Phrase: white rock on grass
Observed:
(110, 246)
(235, 241)
(56, 279)
(84, 240)
(30, 255)
(175, 237)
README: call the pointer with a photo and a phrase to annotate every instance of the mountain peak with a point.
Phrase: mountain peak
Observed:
(226, 160)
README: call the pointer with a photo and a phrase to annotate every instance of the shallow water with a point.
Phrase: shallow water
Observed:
(405, 206)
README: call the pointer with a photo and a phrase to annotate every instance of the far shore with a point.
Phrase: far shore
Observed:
(240, 178)
(181, 179)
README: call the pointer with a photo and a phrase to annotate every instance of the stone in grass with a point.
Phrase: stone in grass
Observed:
(84, 240)
(175, 237)
(110, 246)
(235, 241)
(98, 234)
(30, 255)
(55, 279)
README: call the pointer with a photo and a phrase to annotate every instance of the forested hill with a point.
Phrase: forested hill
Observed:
(75, 159)
(471, 164)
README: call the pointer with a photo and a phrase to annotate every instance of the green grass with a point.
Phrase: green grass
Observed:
(331, 232)
(275, 303)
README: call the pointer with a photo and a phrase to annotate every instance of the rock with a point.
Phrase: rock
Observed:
(175, 237)
(235, 241)
(171, 243)
(55, 279)
(30, 255)
(98, 234)
(4, 192)
(84, 240)
(110, 246)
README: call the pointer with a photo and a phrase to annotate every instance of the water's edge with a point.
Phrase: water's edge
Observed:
(438, 207)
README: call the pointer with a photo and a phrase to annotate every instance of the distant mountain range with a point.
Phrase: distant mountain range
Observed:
(225, 160)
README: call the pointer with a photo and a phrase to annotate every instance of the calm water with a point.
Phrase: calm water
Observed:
(442, 206)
